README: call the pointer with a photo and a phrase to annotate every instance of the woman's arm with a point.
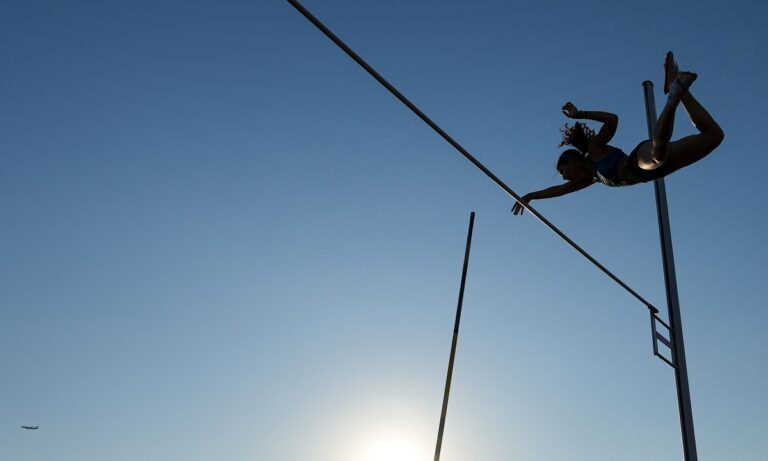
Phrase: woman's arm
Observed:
(610, 121)
(552, 192)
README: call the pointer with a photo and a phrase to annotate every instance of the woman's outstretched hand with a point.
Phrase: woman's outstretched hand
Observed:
(518, 209)
(570, 110)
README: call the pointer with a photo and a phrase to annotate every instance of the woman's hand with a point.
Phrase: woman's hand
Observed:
(570, 110)
(518, 209)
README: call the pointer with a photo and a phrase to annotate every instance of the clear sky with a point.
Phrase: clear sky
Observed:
(221, 239)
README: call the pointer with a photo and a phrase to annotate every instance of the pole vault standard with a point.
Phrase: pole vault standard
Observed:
(455, 338)
(463, 151)
(673, 303)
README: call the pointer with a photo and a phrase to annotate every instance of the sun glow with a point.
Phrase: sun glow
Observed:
(390, 447)
(380, 428)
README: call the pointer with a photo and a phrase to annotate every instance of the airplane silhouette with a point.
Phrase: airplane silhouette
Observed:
(30, 427)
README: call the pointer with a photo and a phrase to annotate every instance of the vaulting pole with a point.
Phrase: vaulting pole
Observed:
(673, 303)
(455, 338)
(461, 149)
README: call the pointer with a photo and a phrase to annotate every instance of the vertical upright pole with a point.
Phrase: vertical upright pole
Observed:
(673, 303)
(455, 338)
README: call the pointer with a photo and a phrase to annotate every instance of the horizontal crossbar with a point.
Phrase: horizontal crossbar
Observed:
(463, 151)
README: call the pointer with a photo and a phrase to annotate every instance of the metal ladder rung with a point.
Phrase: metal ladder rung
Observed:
(658, 337)
(664, 340)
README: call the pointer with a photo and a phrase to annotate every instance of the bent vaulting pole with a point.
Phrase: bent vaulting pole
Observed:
(455, 338)
(463, 151)
(673, 303)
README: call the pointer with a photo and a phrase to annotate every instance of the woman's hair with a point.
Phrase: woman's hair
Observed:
(577, 136)
(566, 156)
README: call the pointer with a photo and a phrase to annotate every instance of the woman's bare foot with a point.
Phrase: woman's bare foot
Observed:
(680, 85)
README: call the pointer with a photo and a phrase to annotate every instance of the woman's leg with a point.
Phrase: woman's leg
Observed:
(657, 155)
(663, 134)
(691, 149)
(687, 150)
(699, 116)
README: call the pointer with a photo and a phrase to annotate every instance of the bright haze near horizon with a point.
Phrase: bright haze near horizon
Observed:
(221, 239)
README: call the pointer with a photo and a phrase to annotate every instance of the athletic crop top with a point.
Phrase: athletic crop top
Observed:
(607, 169)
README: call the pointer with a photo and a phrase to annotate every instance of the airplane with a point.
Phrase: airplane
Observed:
(30, 427)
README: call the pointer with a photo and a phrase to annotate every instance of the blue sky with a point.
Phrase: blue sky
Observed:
(221, 239)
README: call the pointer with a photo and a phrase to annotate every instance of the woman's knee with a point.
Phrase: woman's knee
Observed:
(717, 134)
(712, 137)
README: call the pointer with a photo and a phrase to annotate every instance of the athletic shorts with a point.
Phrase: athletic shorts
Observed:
(642, 175)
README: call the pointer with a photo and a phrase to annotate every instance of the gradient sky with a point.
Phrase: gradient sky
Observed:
(221, 239)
